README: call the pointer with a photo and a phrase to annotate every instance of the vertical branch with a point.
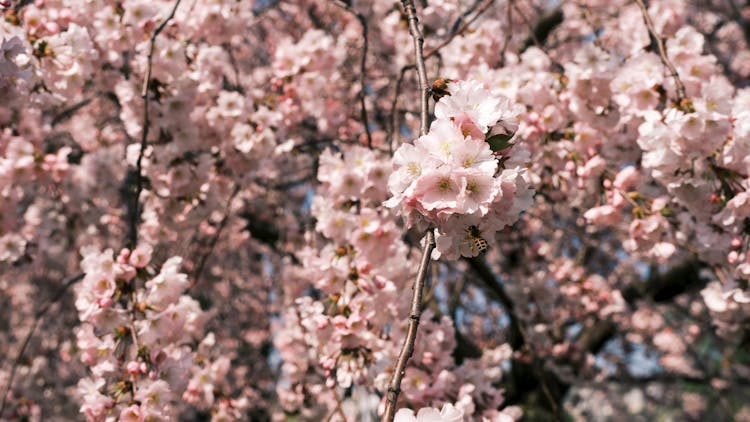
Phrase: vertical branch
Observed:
(424, 89)
(362, 74)
(508, 30)
(362, 68)
(679, 87)
(415, 313)
(135, 207)
(395, 121)
(198, 271)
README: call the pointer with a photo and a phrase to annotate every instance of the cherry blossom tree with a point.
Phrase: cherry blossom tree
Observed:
(332, 210)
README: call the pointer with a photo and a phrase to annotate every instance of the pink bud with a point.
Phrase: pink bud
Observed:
(122, 257)
(379, 281)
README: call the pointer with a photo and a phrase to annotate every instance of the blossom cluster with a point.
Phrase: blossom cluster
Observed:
(140, 344)
(351, 330)
(463, 177)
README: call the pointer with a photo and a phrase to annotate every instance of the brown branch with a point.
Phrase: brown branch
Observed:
(394, 387)
(679, 87)
(135, 208)
(489, 282)
(517, 339)
(70, 111)
(545, 25)
(198, 271)
(37, 318)
(416, 33)
(338, 410)
(664, 287)
(508, 31)
(415, 314)
(394, 108)
(461, 29)
(362, 68)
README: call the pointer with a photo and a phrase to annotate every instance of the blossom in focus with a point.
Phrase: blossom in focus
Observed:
(458, 170)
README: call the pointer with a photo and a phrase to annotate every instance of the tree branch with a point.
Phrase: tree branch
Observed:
(416, 33)
(538, 33)
(415, 314)
(527, 375)
(198, 271)
(393, 135)
(394, 387)
(135, 208)
(362, 67)
(488, 280)
(461, 29)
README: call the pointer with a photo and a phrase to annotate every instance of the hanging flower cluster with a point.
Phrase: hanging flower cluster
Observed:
(464, 176)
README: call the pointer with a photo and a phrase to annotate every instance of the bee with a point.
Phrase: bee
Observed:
(476, 243)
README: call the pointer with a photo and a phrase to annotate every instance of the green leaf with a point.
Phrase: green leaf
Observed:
(499, 142)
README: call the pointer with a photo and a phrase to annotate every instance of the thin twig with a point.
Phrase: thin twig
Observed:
(508, 30)
(198, 272)
(586, 15)
(362, 68)
(394, 387)
(679, 87)
(135, 216)
(338, 410)
(37, 318)
(431, 52)
(395, 126)
(532, 31)
(70, 111)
